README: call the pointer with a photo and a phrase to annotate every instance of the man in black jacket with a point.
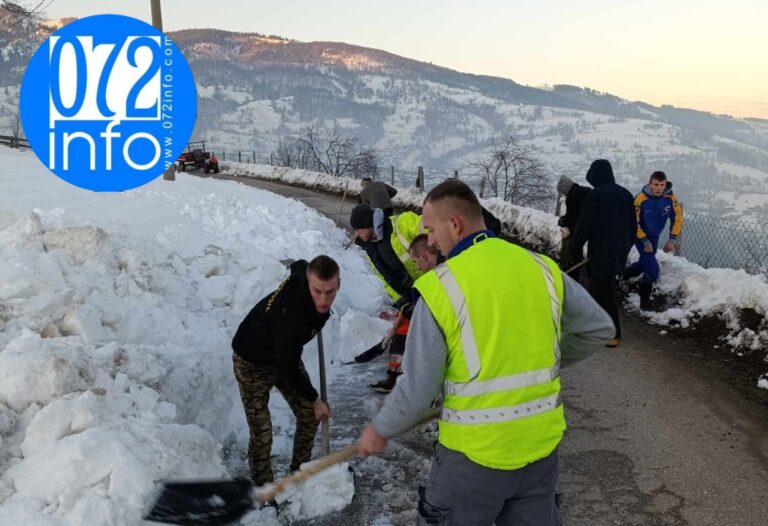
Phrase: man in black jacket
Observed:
(608, 223)
(575, 195)
(268, 346)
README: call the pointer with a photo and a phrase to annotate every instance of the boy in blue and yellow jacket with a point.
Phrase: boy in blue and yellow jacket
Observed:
(653, 207)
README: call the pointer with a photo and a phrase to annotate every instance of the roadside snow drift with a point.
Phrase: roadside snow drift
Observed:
(116, 316)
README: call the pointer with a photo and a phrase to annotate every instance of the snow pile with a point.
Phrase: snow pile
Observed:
(116, 316)
(698, 292)
(532, 228)
(328, 491)
(360, 332)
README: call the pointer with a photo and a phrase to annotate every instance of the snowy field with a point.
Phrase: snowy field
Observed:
(116, 316)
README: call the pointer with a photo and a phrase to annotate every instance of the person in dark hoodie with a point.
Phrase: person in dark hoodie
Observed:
(575, 195)
(378, 194)
(653, 207)
(268, 346)
(386, 240)
(608, 224)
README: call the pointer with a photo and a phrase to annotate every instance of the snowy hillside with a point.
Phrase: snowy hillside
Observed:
(255, 89)
(116, 316)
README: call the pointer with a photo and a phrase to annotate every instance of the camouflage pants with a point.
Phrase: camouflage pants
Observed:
(255, 383)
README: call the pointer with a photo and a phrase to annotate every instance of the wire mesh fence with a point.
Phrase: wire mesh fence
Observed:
(728, 243)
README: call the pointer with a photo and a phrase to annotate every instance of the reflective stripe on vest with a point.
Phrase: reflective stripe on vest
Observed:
(505, 383)
(502, 414)
(554, 301)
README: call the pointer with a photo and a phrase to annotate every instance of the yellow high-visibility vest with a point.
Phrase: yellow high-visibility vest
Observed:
(499, 307)
(405, 227)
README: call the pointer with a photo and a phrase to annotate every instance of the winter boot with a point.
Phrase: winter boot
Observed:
(645, 296)
(386, 385)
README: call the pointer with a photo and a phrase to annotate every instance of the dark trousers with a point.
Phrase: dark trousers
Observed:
(603, 289)
(255, 383)
(462, 493)
(567, 261)
(646, 265)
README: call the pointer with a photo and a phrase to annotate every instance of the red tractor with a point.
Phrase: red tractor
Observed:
(198, 158)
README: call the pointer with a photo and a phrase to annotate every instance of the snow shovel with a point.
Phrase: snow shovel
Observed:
(221, 502)
(381, 347)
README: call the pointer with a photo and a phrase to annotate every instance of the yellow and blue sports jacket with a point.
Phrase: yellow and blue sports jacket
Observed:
(652, 213)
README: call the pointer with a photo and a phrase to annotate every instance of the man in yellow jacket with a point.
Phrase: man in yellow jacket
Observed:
(490, 331)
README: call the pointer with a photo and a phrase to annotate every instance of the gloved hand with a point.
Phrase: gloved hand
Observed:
(669, 246)
(403, 302)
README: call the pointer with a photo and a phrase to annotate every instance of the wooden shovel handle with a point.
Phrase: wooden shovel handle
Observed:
(324, 463)
(300, 476)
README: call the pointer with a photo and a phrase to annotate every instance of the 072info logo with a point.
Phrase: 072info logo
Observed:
(110, 103)
(120, 103)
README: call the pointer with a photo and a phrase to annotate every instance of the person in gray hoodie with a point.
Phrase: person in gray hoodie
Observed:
(378, 194)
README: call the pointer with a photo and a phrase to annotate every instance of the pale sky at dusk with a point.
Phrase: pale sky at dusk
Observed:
(708, 55)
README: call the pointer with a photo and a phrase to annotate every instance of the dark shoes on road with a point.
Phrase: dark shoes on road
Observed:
(645, 296)
(387, 384)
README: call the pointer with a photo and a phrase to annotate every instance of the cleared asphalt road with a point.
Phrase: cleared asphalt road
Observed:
(657, 433)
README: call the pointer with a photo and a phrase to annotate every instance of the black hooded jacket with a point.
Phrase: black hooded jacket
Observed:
(574, 202)
(607, 222)
(386, 262)
(492, 222)
(277, 328)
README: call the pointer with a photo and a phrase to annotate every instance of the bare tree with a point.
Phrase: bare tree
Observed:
(516, 175)
(326, 150)
(22, 12)
(293, 154)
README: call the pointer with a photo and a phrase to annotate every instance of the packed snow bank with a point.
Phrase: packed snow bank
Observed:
(533, 228)
(116, 316)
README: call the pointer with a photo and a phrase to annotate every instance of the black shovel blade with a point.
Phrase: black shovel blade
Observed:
(370, 354)
(198, 503)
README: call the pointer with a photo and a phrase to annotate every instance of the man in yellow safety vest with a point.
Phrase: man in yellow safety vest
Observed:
(487, 332)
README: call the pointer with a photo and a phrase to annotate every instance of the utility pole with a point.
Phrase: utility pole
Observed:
(157, 23)
(157, 16)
